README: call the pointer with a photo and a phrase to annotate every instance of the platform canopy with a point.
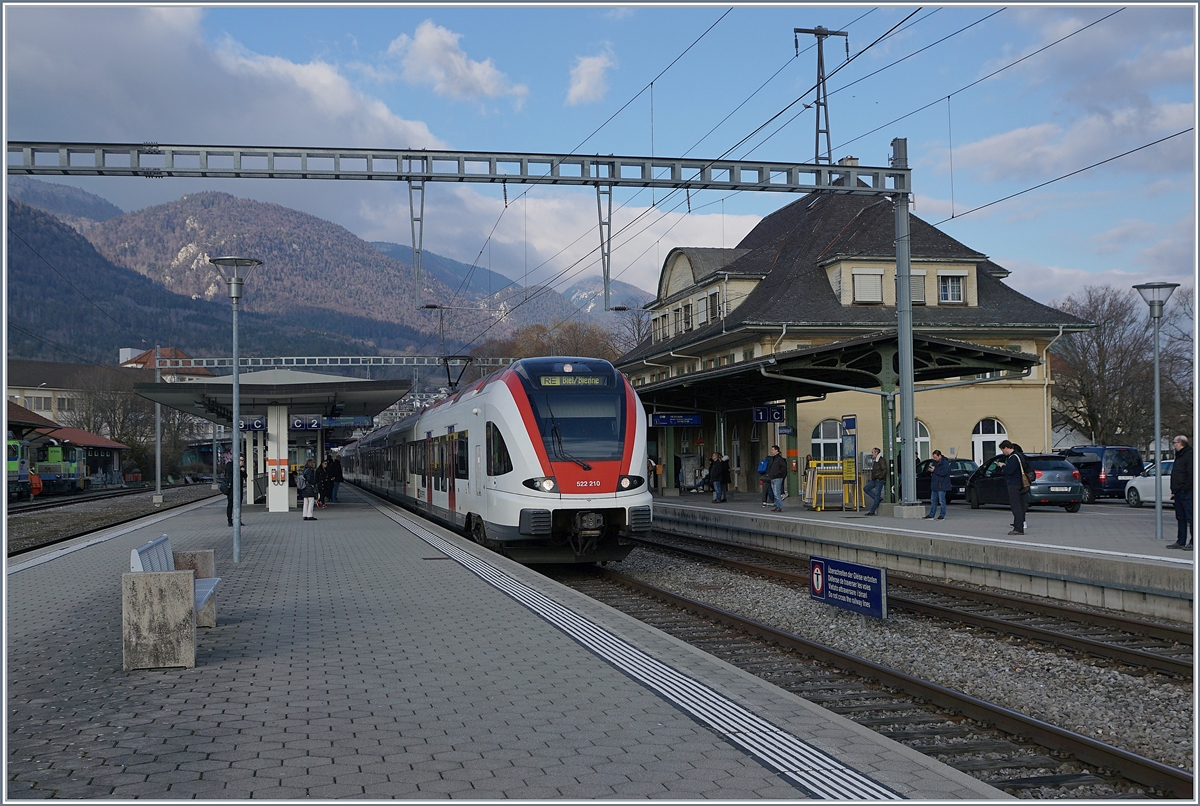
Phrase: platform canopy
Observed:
(300, 392)
(866, 362)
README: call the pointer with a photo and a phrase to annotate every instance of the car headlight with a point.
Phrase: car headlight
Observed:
(545, 484)
(630, 482)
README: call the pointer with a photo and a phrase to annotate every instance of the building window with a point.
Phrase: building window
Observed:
(714, 306)
(827, 441)
(986, 438)
(917, 284)
(66, 404)
(701, 311)
(950, 289)
(748, 355)
(868, 288)
(687, 317)
(922, 440)
(678, 321)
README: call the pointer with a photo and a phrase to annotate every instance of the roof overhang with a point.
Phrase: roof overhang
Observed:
(300, 392)
(867, 362)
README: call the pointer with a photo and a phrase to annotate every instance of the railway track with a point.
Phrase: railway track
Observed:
(1008, 750)
(54, 502)
(1132, 642)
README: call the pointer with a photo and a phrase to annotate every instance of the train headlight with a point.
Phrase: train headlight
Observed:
(544, 485)
(630, 482)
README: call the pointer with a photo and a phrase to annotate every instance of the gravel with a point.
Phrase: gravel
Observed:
(29, 529)
(1147, 714)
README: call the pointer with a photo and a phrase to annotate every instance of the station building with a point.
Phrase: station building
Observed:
(804, 308)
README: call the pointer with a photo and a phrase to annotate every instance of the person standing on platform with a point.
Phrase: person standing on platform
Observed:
(308, 490)
(939, 485)
(777, 473)
(878, 481)
(335, 470)
(232, 487)
(763, 481)
(718, 474)
(1182, 493)
(1015, 474)
(324, 483)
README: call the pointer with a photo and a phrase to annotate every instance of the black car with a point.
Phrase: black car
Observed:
(1056, 482)
(960, 471)
(1104, 469)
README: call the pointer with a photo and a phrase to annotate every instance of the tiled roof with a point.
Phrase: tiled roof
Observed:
(146, 361)
(791, 246)
(21, 416)
(77, 436)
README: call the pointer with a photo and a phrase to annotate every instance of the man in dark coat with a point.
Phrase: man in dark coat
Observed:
(777, 472)
(718, 474)
(878, 482)
(335, 473)
(1181, 492)
(939, 485)
(232, 487)
(1014, 465)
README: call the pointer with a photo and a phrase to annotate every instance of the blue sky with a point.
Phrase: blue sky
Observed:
(1107, 80)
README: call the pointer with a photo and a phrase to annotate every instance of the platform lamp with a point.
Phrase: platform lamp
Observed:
(1156, 295)
(229, 271)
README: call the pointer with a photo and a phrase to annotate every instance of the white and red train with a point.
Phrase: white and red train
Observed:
(543, 461)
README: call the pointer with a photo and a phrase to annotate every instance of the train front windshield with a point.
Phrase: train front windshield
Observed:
(580, 412)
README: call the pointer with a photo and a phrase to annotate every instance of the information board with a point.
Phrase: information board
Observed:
(671, 420)
(768, 414)
(850, 586)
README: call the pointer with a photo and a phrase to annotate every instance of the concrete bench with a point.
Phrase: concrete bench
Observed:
(164, 597)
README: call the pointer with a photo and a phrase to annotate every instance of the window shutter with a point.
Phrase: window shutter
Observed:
(868, 288)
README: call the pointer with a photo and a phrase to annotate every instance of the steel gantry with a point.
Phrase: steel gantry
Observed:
(418, 166)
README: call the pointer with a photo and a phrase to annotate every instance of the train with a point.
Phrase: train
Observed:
(19, 486)
(59, 466)
(543, 461)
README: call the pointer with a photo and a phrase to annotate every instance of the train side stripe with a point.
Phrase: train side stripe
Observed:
(811, 769)
(531, 429)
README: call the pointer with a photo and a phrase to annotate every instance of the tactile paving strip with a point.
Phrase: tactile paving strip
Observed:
(811, 769)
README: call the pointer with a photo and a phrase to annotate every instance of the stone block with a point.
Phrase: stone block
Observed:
(204, 563)
(158, 620)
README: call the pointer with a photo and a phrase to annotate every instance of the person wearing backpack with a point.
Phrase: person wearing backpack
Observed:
(1017, 479)
(228, 486)
(763, 482)
(306, 487)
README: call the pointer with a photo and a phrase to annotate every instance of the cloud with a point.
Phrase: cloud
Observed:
(101, 74)
(432, 57)
(589, 78)
(1048, 150)
(1048, 283)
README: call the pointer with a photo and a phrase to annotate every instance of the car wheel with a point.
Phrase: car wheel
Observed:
(1089, 497)
(1072, 507)
(973, 498)
(1132, 498)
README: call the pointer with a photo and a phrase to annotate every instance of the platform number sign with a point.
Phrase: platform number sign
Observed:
(768, 414)
(252, 423)
(306, 422)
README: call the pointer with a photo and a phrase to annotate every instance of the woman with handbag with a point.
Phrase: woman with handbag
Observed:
(1016, 477)
(307, 484)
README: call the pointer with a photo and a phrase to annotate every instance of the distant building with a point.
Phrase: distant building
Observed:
(56, 390)
(145, 360)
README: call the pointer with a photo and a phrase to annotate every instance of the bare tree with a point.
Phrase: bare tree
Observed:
(632, 326)
(1104, 378)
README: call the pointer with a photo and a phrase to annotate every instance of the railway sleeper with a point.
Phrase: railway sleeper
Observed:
(1006, 763)
(875, 707)
(1052, 781)
(966, 748)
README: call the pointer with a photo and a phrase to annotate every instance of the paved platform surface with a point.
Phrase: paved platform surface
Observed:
(367, 655)
(1109, 525)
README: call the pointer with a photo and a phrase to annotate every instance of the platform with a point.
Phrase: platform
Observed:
(1105, 555)
(371, 655)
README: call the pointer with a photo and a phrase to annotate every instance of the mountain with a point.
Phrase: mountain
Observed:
(483, 282)
(68, 302)
(78, 208)
(588, 294)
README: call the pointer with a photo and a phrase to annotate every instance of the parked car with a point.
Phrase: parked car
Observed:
(960, 471)
(1056, 482)
(1104, 469)
(1141, 490)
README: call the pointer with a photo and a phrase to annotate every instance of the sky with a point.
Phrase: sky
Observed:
(1057, 140)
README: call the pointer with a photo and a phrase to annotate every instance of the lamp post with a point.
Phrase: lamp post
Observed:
(235, 294)
(1156, 295)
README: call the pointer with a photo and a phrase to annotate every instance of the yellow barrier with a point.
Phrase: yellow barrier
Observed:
(824, 481)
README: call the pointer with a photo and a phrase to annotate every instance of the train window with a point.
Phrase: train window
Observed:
(581, 427)
(462, 464)
(498, 460)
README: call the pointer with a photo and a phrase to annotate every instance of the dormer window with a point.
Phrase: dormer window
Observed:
(950, 288)
(868, 286)
(687, 317)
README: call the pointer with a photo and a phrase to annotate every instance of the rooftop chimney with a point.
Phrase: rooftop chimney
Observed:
(848, 161)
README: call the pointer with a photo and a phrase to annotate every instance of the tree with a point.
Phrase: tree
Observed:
(632, 326)
(1104, 377)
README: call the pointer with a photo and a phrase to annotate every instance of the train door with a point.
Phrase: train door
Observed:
(404, 469)
(451, 473)
(427, 477)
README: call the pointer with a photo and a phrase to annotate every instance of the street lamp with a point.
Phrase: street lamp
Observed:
(1156, 295)
(235, 294)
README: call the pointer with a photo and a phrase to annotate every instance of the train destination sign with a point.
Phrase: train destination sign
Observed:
(672, 420)
(573, 380)
(850, 586)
